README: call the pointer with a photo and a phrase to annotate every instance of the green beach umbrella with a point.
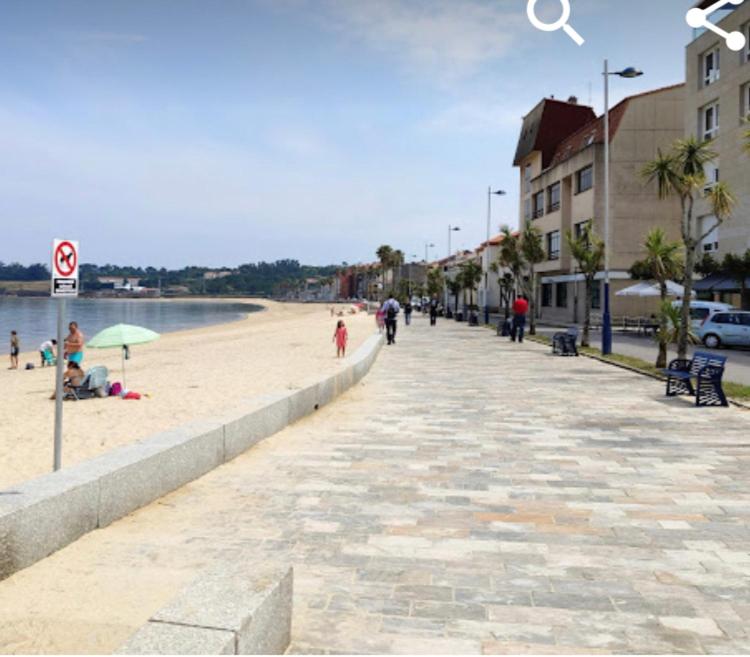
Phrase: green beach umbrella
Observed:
(123, 336)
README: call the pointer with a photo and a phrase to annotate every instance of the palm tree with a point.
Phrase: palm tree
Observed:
(681, 172)
(471, 275)
(664, 262)
(455, 285)
(385, 256)
(505, 283)
(533, 253)
(435, 282)
(588, 251)
(396, 262)
(510, 256)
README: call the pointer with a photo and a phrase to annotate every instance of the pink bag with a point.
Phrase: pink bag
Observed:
(116, 389)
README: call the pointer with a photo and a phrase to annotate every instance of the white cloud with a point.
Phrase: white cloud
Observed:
(448, 39)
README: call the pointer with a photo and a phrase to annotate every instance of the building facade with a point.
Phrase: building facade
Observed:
(717, 107)
(560, 157)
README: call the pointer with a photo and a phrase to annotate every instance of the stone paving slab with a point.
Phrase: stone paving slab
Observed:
(470, 496)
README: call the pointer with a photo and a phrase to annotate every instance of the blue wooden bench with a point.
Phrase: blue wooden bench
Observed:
(565, 344)
(707, 370)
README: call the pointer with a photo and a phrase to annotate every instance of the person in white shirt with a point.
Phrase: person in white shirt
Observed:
(47, 352)
(391, 308)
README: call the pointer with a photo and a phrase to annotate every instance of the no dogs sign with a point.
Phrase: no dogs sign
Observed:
(65, 268)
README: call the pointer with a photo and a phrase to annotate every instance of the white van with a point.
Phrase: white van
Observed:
(700, 311)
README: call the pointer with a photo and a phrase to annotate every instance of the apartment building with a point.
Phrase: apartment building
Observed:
(560, 157)
(717, 104)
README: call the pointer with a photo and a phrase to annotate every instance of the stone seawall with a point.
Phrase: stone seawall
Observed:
(45, 514)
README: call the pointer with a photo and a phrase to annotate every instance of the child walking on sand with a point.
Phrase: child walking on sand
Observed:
(15, 349)
(341, 337)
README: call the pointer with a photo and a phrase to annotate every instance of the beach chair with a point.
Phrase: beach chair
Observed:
(95, 379)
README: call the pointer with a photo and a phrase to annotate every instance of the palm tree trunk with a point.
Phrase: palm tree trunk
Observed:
(585, 342)
(661, 359)
(682, 340)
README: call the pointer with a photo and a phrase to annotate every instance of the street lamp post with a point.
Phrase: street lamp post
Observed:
(629, 73)
(486, 265)
(427, 247)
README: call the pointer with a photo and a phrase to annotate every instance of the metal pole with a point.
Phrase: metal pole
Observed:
(59, 373)
(487, 259)
(607, 318)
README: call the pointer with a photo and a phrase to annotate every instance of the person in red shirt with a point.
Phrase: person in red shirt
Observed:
(520, 310)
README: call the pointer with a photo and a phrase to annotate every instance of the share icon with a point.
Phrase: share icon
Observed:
(697, 18)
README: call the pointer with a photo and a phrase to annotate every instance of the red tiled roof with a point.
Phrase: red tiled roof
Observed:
(593, 132)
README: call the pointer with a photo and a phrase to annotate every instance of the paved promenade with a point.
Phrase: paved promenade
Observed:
(470, 496)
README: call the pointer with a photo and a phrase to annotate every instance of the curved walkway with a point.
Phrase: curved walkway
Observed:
(470, 496)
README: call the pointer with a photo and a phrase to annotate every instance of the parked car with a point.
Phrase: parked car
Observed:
(726, 329)
(700, 311)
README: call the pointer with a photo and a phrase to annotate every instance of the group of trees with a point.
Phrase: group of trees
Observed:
(520, 254)
(14, 271)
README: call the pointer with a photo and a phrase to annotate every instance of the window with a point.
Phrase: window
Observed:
(553, 245)
(527, 179)
(561, 295)
(711, 243)
(538, 205)
(745, 319)
(527, 209)
(712, 176)
(709, 126)
(711, 66)
(746, 53)
(725, 318)
(746, 102)
(553, 197)
(596, 296)
(580, 227)
(546, 295)
(584, 179)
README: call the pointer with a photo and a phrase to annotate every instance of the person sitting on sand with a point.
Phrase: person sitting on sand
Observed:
(74, 344)
(73, 377)
(341, 337)
(15, 349)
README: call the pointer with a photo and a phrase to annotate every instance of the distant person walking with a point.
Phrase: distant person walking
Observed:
(380, 318)
(15, 349)
(47, 352)
(391, 309)
(433, 311)
(520, 310)
(341, 337)
(408, 309)
(73, 347)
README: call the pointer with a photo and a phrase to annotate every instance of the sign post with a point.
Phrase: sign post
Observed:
(64, 285)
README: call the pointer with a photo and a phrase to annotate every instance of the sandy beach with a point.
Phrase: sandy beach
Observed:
(187, 375)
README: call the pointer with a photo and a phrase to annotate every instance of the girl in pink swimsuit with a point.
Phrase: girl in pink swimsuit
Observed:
(340, 337)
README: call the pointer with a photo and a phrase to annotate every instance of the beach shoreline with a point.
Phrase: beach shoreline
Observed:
(186, 375)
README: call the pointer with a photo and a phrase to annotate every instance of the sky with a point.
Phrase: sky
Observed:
(219, 132)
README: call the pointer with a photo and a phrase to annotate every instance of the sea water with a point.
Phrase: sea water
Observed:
(35, 319)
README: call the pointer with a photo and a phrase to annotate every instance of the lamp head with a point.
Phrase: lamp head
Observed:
(630, 72)
(500, 192)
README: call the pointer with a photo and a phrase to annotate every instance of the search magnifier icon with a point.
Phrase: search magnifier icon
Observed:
(561, 24)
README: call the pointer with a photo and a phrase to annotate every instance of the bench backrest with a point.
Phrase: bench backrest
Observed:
(702, 359)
